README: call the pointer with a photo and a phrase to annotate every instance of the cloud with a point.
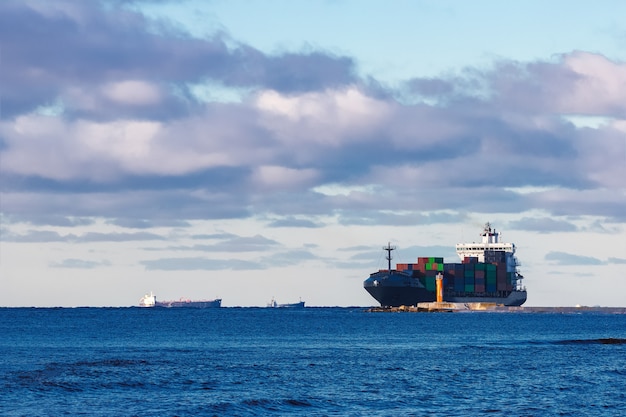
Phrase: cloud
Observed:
(278, 259)
(79, 264)
(105, 62)
(129, 140)
(195, 264)
(294, 222)
(543, 225)
(617, 261)
(567, 259)
(42, 236)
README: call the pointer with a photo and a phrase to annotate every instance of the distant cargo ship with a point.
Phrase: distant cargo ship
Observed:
(274, 304)
(149, 300)
(488, 273)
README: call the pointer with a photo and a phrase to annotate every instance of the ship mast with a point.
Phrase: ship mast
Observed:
(389, 248)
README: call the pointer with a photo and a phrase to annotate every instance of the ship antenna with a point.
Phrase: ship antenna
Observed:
(389, 248)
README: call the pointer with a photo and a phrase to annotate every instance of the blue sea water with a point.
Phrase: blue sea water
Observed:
(313, 362)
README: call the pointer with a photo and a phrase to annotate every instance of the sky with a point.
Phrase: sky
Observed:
(256, 149)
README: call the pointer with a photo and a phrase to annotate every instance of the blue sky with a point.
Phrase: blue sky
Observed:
(254, 149)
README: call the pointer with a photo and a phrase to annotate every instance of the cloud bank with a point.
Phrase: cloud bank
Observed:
(101, 118)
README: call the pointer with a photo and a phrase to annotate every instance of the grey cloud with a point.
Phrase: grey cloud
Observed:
(294, 222)
(194, 264)
(213, 236)
(617, 261)
(486, 131)
(95, 45)
(118, 237)
(563, 258)
(51, 236)
(132, 223)
(289, 258)
(80, 264)
(41, 236)
(543, 225)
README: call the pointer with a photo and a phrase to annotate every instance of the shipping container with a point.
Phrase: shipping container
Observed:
(430, 283)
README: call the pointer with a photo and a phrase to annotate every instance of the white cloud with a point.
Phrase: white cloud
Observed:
(601, 88)
(331, 117)
(132, 92)
(277, 177)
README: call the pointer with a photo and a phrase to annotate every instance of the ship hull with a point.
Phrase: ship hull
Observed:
(512, 299)
(411, 296)
(189, 304)
(397, 288)
(291, 305)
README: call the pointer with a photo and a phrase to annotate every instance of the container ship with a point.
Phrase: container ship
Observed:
(149, 300)
(488, 273)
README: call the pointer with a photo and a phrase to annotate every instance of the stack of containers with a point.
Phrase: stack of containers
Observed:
(428, 268)
(453, 279)
(491, 277)
(469, 277)
(479, 277)
(502, 277)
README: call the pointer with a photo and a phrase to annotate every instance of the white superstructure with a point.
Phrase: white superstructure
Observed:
(148, 300)
(487, 249)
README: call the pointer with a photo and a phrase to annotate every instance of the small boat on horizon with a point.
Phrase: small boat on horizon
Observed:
(274, 304)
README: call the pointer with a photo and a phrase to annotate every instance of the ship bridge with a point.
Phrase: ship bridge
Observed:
(490, 243)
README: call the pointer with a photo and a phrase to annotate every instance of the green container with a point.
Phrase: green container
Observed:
(469, 288)
(430, 284)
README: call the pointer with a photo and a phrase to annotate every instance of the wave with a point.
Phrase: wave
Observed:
(603, 341)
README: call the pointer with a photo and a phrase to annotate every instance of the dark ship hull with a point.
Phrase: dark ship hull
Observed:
(400, 289)
(395, 288)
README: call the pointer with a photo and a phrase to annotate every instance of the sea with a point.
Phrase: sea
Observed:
(309, 362)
